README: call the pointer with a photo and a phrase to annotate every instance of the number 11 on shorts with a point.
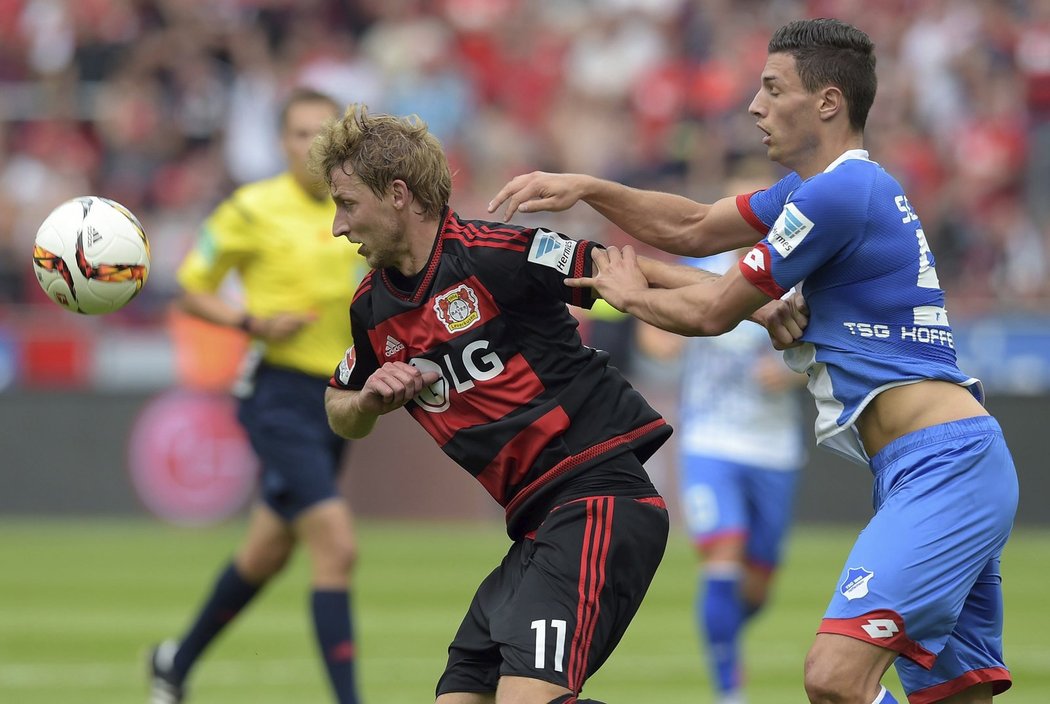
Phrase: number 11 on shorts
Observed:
(540, 626)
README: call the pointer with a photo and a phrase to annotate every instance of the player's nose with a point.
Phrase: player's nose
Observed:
(340, 227)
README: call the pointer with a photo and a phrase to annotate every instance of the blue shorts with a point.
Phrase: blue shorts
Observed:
(288, 428)
(923, 577)
(722, 498)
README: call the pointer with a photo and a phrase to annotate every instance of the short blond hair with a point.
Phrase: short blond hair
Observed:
(380, 149)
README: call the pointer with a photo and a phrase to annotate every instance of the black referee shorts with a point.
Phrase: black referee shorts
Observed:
(287, 425)
(561, 599)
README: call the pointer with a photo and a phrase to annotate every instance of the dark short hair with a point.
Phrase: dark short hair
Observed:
(830, 52)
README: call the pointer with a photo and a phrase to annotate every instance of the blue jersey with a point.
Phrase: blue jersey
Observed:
(849, 239)
(722, 402)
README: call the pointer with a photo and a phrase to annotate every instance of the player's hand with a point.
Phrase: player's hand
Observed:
(538, 191)
(617, 276)
(785, 320)
(281, 326)
(392, 386)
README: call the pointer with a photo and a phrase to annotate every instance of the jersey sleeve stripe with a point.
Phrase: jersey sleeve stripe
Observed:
(467, 241)
(579, 269)
(743, 204)
(468, 232)
(755, 266)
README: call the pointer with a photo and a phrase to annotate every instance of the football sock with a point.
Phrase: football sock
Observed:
(332, 624)
(229, 595)
(884, 697)
(723, 617)
(571, 699)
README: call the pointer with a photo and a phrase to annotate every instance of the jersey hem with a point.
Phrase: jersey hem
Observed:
(608, 448)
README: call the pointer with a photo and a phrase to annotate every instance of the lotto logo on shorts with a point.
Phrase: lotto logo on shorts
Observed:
(855, 585)
(881, 628)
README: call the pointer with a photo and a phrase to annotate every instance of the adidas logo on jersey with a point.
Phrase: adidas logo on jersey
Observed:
(393, 346)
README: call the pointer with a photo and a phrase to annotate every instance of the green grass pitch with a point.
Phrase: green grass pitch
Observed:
(80, 602)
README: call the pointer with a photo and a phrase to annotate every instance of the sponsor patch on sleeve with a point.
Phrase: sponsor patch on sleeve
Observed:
(552, 250)
(346, 366)
(789, 230)
(756, 268)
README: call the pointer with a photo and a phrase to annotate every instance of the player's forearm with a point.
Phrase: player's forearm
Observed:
(677, 311)
(666, 275)
(669, 222)
(345, 415)
(212, 308)
(663, 220)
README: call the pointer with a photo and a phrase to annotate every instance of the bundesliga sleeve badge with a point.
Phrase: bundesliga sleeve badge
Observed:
(346, 366)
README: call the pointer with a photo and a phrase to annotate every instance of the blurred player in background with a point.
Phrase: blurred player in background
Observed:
(737, 486)
(297, 281)
(737, 494)
(922, 586)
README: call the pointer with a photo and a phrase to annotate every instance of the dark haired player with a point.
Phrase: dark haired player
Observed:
(922, 586)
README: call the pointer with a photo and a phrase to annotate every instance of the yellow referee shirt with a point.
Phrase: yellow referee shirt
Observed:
(278, 238)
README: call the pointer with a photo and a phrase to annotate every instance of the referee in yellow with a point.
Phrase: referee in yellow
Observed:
(297, 283)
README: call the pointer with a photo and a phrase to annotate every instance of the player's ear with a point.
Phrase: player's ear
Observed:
(832, 102)
(400, 193)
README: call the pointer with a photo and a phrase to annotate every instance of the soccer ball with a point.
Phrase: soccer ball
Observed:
(91, 255)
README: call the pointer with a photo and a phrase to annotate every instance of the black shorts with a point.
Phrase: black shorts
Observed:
(561, 599)
(288, 427)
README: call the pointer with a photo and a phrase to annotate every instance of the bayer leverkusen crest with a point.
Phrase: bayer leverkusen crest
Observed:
(457, 309)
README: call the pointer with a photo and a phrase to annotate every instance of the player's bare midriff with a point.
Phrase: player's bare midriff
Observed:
(905, 409)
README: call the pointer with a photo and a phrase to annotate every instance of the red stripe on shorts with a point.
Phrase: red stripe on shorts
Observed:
(593, 556)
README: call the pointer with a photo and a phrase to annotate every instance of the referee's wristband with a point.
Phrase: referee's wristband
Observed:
(245, 323)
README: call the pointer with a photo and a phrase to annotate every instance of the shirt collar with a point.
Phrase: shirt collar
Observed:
(848, 154)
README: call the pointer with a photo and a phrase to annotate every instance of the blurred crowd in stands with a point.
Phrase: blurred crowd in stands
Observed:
(166, 105)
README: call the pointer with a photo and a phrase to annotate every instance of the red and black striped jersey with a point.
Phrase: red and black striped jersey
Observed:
(521, 404)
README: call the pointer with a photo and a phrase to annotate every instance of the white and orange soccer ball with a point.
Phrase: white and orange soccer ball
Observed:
(91, 255)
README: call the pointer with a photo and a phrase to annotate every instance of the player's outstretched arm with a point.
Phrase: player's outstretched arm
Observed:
(353, 414)
(666, 221)
(711, 306)
(662, 274)
(785, 320)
